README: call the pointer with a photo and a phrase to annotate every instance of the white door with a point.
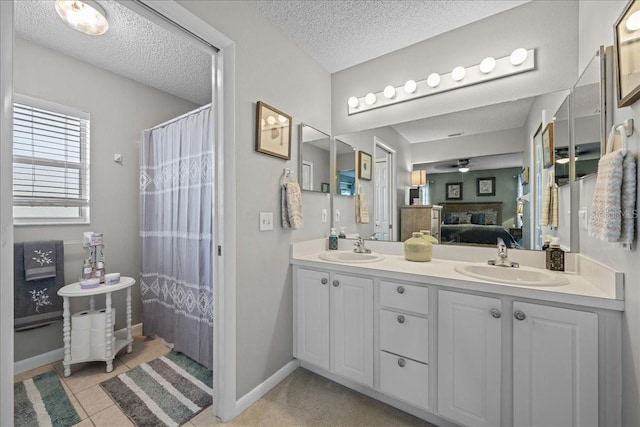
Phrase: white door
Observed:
(555, 366)
(382, 210)
(469, 364)
(352, 301)
(312, 311)
(307, 175)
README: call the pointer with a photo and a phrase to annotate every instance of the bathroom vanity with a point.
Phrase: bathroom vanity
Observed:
(459, 350)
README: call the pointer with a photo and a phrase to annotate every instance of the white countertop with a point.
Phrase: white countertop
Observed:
(579, 291)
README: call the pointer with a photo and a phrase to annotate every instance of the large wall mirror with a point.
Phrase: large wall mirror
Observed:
(592, 118)
(345, 169)
(315, 159)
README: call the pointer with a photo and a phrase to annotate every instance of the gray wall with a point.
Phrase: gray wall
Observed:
(596, 28)
(269, 68)
(120, 108)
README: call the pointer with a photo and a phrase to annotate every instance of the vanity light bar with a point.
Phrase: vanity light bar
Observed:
(437, 83)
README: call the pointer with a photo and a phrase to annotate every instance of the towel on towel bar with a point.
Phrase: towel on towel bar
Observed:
(39, 260)
(291, 206)
(36, 302)
(362, 213)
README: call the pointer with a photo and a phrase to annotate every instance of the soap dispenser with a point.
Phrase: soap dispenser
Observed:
(555, 256)
(333, 240)
(343, 234)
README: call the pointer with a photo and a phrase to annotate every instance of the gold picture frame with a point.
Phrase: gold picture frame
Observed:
(365, 165)
(273, 131)
(547, 146)
(626, 48)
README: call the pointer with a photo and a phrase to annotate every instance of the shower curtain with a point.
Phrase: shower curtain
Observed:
(176, 190)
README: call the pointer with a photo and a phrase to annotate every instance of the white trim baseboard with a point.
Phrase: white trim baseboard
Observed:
(263, 388)
(52, 356)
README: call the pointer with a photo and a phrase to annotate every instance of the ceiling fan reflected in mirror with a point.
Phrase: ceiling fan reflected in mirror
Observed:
(462, 165)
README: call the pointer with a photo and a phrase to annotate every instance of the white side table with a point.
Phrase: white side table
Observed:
(122, 340)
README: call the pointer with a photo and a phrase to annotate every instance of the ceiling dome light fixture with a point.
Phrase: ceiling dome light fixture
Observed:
(463, 165)
(458, 73)
(353, 102)
(86, 16)
(518, 56)
(633, 22)
(389, 92)
(370, 99)
(433, 80)
(487, 65)
(410, 86)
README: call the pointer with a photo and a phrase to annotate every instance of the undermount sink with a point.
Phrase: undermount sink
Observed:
(526, 276)
(351, 257)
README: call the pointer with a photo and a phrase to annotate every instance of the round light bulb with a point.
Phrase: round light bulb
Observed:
(271, 120)
(353, 102)
(518, 56)
(458, 73)
(370, 99)
(633, 22)
(389, 92)
(433, 80)
(410, 86)
(487, 65)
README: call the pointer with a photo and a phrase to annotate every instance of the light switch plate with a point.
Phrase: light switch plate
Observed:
(266, 221)
(337, 215)
(324, 215)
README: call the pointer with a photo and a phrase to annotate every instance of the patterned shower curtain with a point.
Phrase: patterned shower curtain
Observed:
(176, 190)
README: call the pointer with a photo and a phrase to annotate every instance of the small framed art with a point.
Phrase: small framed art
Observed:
(364, 165)
(454, 191)
(273, 131)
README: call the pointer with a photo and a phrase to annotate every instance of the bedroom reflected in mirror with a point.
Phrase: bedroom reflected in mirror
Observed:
(315, 159)
(345, 168)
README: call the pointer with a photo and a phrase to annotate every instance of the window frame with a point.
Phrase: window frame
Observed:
(83, 216)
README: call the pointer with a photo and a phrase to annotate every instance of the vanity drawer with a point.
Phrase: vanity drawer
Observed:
(405, 379)
(404, 335)
(404, 297)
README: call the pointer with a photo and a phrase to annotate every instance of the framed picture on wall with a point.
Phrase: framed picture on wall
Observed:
(525, 175)
(454, 191)
(626, 38)
(324, 187)
(364, 165)
(547, 146)
(486, 186)
(273, 131)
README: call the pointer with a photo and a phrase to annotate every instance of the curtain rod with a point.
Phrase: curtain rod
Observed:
(175, 119)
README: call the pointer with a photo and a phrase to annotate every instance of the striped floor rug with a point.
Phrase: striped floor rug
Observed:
(41, 401)
(167, 391)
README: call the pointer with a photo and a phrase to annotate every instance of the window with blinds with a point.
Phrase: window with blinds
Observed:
(50, 163)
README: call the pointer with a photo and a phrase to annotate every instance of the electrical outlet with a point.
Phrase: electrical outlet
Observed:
(266, 221)
(324, 215)
(337, 215)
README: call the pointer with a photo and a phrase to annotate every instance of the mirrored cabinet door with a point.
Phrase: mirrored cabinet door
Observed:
(315, 160)
(345, 169)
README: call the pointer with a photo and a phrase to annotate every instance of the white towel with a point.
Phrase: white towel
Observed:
(293, 206)
(628, 199)
(554, 209)
(362, 213)
(605, 221)
(284, 212)
(545, 213)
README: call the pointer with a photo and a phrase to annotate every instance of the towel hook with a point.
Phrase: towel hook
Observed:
(627, 125)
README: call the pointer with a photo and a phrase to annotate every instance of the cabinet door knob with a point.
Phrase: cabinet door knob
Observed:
(402, 362)
(519, 315)
(324, 281)
(336, 283)
(400, 289)
(496, 313)
(400, 318)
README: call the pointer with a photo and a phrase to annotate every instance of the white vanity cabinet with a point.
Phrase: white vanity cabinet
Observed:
(469, 358)
(555, 366)
(334, 323)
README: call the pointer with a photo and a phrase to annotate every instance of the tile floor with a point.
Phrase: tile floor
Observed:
(303, 399)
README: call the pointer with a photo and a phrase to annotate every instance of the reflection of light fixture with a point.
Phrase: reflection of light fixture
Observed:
(370, 99)
(282, 119)
(458, 73)
(271, 120)
(433, 80)
(562, 161)
(86, 16)
(463, 169)
(418, 178)
(518, 56)
(410, 86)
(487, 65)
(633, 21)
(353, 102)
(463, 165)
(389, 92)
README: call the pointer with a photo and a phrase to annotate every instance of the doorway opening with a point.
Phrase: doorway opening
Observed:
(384, 194)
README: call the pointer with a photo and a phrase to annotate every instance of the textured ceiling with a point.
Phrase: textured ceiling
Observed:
(339, 34)
(133, 47)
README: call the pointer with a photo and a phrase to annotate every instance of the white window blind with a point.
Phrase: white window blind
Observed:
(50, 162)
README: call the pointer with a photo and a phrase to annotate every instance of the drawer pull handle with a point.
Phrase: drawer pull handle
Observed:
(400, 289)
(336, 283)
(519, 315)
(402, 363)
(324, 281)
(401, 319)
(496, 313)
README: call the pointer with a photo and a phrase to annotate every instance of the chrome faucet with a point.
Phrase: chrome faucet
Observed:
(503, 259)
(359, 247)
